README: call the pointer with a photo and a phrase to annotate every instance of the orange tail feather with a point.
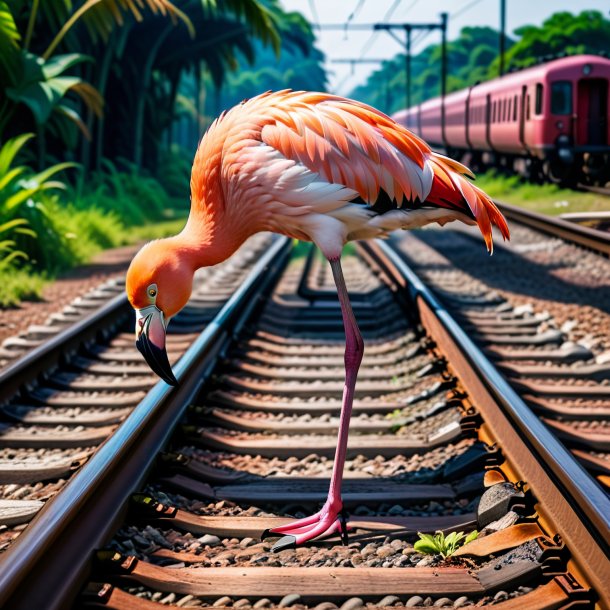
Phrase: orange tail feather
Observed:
(451, 189)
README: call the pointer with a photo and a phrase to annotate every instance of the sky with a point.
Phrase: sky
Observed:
(380, 45)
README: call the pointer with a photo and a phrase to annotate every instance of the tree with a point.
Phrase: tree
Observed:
(473, 57)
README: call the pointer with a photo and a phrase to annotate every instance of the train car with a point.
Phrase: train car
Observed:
(550, 121)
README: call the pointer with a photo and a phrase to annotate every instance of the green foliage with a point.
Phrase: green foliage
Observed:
(473, 57)
(587, 32)
(176, 175)
(19, 285)
(23, 218)
(439, 544)
(43, 86)
(134, 198)
(300, 66)
(544, 198)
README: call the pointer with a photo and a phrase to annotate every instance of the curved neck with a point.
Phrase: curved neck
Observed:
(207, 241)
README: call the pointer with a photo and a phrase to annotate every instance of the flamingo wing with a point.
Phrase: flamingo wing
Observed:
(356, 146)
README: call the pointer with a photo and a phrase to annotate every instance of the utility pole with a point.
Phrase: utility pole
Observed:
(502, 34)
(408, 29)
(443, 71)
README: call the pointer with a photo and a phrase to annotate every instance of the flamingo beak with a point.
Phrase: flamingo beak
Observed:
(150, 341)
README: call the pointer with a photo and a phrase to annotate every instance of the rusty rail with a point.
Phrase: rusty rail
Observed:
(593, 239)
(575, 505)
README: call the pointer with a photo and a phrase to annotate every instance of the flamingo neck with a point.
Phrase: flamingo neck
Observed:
(207, 241)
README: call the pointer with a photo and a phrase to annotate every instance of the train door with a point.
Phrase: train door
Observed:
(522, 116)
(592, 112)
(488, 119)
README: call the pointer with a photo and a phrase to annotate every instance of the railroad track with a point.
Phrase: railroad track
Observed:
(587, 237)
(600, 190)
(176, 500)
(78, 379)
(541, 312)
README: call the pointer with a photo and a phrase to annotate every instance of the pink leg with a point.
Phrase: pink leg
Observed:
(329, 519)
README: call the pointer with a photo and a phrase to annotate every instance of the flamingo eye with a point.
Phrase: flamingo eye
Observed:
(152, 292)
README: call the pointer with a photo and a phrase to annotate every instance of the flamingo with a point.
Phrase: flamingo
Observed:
(316, 167)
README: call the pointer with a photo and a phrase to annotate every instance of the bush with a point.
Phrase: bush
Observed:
(20, 285)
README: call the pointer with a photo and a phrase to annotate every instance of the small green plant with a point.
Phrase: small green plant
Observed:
(441, 544)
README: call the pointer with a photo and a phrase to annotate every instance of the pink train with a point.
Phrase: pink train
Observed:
(550, 121)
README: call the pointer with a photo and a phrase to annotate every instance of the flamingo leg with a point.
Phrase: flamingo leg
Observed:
(331, 518)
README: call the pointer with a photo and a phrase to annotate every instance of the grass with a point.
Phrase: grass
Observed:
(20, 285)
(544, 198)
(27, 284)
(50, 226)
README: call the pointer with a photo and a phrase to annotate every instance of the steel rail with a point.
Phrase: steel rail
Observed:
(46, 357)
(48, 563)
(593, 239)
(574, 503)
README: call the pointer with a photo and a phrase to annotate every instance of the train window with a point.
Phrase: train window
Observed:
(561, 97)
(527, 107)
(508, 102)
(515, 108)
(538, 108)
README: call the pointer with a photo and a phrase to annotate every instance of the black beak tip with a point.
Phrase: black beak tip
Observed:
(156, 359)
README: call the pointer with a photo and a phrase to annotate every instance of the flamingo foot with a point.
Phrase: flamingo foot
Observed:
(324, 523)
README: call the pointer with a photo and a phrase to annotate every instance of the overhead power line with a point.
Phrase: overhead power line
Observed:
(465, 8)
(314, 12)
(367, 45)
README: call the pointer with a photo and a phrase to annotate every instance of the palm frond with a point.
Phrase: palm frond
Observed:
(9, 43)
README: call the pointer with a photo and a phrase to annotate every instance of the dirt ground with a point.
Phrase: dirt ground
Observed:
(58, 294)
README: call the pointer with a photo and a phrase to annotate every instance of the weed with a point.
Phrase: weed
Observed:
(441, 544)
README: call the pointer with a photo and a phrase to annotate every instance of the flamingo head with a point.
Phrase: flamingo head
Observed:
(158, 286)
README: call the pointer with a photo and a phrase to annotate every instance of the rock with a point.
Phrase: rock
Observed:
(242, 603)
(396, 510)
(151, 532)
(442, 602)
(185, 600)
(510, 518)
(263, 603)
(352, 604)
(209, 540)
(356, 560)
(388, 600)
(428, 601)
(369, 549)
(384, 551)
(223, 601)
(325, 606)
(496, 502)
(426, 561)
(228, 556)
(246, 542)
(414, 601)
(398, 545)
(289, 600)
(141, 541)
(501, 595)
(409, 550)
(169, 599)
(460, 601)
